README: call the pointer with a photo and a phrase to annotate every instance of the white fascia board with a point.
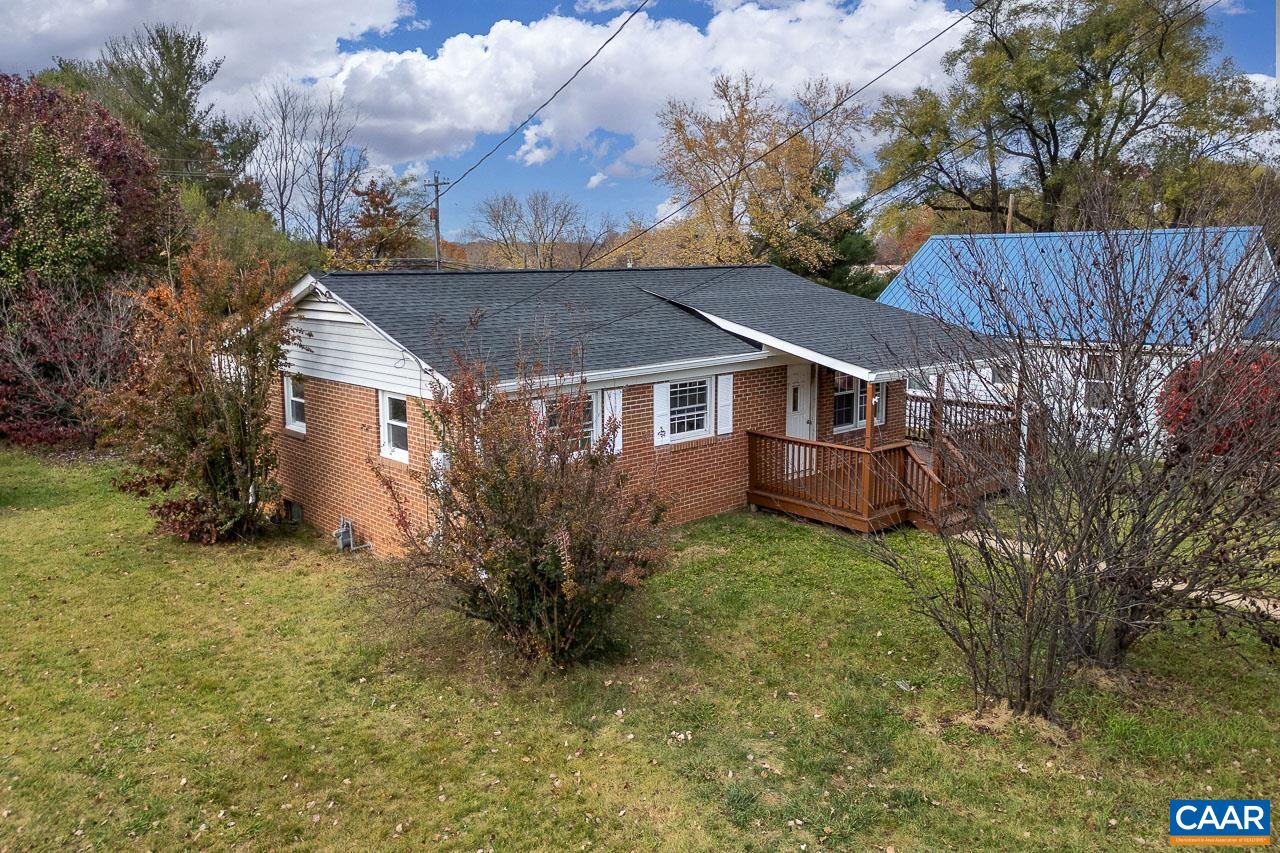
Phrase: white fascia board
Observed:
(825, 360)
(941, 367)
(662, 371)
(299, 291)
(748, 361)
(308, 284)
(789, 348)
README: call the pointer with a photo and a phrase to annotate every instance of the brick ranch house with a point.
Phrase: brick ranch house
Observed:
(731, 386)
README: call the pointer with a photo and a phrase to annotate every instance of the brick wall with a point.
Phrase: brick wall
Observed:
(703, 476)
(893, 429)
(327, 470)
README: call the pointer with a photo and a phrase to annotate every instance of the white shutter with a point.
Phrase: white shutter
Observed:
(724, 404)
(661, 413)
(538, 410)
(611, 410)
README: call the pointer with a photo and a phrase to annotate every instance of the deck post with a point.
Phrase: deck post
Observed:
(870, 415)
(935, 411)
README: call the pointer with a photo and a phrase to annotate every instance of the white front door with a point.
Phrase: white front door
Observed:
(801, 418)
(800, 400)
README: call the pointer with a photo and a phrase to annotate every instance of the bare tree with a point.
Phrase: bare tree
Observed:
(334, 167)
(540, 231)
(499, 226)
(1144, 375)
(285, 113)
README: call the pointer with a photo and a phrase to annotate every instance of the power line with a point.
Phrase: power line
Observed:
(798, 131)
(574, 76)
(842, 211)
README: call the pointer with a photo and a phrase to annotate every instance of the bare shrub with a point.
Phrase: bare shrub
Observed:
(1123, 521)
(62, 344)
(531, 526)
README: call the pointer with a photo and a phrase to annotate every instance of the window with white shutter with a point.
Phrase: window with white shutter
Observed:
(611, 413)
(661, 413)
(724, 404)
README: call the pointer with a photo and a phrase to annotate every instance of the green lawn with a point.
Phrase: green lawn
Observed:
(159, 695)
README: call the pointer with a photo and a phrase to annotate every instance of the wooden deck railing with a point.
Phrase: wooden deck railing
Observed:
(847, 485)
(873, 489)
(957, 415)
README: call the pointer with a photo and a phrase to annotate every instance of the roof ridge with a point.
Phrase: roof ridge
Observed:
(1059, 234)
(561, 271)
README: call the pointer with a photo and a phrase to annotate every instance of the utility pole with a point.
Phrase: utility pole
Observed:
(436, 184)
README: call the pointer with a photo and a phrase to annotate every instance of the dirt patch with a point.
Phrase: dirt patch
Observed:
(997, 718)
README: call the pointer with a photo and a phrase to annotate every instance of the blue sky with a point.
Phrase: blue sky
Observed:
(1246, 28)
(438, 83)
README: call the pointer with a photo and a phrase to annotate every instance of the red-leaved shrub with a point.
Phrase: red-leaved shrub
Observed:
(1237, 400)
(61, 346)
(194, 409)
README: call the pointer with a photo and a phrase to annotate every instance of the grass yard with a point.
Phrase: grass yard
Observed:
(161, 695)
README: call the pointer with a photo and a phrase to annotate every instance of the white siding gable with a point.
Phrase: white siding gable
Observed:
(337, 345)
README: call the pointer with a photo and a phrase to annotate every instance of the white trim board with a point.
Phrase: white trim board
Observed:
(818, 358)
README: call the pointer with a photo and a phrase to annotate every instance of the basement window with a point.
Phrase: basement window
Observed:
(395, 426)
(295, 404)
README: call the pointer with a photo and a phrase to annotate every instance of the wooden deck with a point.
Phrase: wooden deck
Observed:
(869, 490)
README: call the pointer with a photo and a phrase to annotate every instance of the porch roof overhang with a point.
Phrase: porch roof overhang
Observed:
(860, 337)
(902, 365)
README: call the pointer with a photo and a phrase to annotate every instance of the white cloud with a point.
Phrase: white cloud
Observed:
(299, 38)
(416, 105)
(420, 105)
(586, 7)
(596, 180)
(669, 207)
(1226, 7)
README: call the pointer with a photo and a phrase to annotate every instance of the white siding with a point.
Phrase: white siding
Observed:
(337, 345)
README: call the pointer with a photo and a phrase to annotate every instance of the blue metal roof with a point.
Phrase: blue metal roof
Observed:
(1041, 272)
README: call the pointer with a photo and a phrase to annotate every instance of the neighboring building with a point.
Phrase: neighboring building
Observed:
(1226, 272)
(732, 385)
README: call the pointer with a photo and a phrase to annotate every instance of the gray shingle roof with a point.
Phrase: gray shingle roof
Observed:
(862, 332)
(434, 316)
(614, 319)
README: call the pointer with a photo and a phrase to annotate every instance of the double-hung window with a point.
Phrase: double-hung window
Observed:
(689, 409)
(394, 430)
(849, 404)
(295, 404)
(1099, 381)
(573, 417)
